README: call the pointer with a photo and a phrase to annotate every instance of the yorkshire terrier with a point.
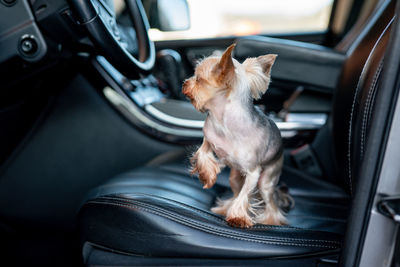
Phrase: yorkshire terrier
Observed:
(241, 136)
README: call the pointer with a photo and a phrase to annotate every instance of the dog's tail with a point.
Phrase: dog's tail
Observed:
(283, 199)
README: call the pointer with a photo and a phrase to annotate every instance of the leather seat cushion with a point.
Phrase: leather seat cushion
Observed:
(161, 211)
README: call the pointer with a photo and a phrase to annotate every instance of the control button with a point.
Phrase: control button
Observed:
(114, 28)
(28, 45)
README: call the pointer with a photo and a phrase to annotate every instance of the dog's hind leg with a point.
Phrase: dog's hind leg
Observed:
(238, 213)
(272, 214)
(236, 180)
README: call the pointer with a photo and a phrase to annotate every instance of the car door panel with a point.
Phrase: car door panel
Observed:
(313, 67)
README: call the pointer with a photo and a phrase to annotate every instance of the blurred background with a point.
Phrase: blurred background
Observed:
(219, 18)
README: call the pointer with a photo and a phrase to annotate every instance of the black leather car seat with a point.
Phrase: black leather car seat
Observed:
(357, 46)
(159, 212)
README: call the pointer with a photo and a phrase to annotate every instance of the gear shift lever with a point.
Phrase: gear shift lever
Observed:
(170, 71)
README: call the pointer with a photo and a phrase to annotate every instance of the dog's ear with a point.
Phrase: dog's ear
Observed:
(259, 73)
(225, 70)
(266, 63)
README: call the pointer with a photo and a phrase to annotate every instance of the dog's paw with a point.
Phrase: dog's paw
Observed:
(208, 176)
(208, 179)
(207, 167)
(241, 222)
(222, 207)
(208, 184)
(219, 210)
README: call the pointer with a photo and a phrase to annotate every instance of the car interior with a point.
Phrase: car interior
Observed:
(96, 135)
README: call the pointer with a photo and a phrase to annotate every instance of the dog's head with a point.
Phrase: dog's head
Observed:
(220, 75)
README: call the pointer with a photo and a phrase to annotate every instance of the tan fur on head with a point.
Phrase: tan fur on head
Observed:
(198, 91)
(212, 75)
(259, 73)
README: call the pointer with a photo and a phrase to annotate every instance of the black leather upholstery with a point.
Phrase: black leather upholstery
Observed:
(357, 48)
(161, 211)
(322, 70)
(362, 106)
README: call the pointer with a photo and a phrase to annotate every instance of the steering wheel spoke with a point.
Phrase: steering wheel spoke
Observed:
(101, 24)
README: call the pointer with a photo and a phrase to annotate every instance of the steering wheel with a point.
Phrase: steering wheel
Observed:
(100, 21)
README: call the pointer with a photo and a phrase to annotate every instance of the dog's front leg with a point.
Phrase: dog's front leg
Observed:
(236, 180)
(205, 164)
(238, 213)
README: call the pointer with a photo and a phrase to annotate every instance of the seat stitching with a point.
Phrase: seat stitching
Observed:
(372, 105)
(363, 73)
(349, 141)
(180, 217)
(367, 105)
(197, 226)
(210, 215)
(360, 80)
(242, 234)
(231, 232)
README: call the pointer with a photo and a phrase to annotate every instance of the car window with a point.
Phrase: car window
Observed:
(221, 18)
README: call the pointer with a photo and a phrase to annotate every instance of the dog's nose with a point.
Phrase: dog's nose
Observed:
(185, 89)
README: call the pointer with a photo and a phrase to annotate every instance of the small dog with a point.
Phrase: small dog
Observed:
(241, 136)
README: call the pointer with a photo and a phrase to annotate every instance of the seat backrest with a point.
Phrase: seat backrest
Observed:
(362, 107)
(355, 86)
